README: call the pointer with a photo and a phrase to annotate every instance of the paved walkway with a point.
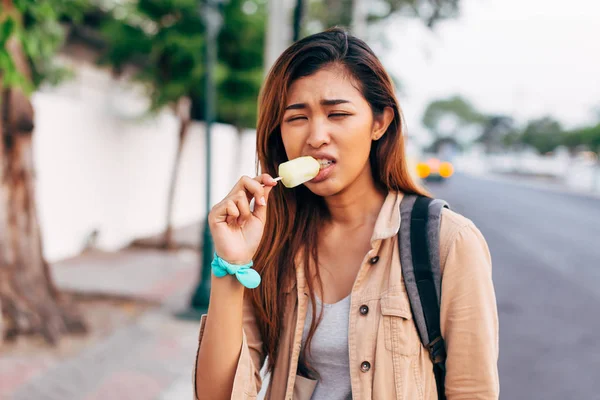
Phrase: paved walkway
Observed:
(148, 357)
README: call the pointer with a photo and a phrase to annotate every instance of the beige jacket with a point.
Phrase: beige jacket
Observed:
(387, 359)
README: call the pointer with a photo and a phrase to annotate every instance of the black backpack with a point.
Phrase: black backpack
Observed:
(419, 249)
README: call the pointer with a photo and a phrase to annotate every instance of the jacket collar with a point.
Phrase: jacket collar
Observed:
(387, 226)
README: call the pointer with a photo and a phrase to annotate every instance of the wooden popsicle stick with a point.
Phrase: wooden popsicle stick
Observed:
(275, 179)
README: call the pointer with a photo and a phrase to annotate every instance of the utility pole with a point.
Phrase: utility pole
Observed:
(298, 16)
(213, 20)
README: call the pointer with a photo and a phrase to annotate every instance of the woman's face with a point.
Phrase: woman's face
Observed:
(327, 117)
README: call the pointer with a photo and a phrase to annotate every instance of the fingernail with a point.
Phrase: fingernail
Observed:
(262, 201)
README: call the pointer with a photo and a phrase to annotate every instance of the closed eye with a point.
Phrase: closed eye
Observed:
(339, 115)
(292, 119)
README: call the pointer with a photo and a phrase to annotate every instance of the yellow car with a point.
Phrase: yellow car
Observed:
(435, 170)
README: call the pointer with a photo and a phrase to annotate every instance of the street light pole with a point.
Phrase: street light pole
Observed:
(298, 16)
(213, 20)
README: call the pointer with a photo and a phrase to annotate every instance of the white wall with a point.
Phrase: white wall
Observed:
(102, 165)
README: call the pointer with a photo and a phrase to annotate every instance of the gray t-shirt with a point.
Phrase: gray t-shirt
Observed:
(329, 351)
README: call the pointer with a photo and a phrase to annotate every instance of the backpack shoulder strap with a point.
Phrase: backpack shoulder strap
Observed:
(419, 245)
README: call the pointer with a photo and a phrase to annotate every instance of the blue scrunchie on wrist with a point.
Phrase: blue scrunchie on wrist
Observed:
(244, 273)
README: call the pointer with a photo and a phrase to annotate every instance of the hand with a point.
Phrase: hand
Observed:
(237, 231)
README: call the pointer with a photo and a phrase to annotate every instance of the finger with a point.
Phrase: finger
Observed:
(223, 212)
(232, 212)
(248, 185)
(260, 210)
(255, 189)
(243, 206)
(268, 183)
(266, 180)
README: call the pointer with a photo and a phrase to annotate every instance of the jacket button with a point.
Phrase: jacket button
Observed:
(365, 366)
(364, 310)
(374, 260)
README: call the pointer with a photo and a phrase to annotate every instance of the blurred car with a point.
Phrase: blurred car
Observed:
(435, 170)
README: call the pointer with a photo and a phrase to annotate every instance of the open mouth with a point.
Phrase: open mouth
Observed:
(325, 163)
(327, 166)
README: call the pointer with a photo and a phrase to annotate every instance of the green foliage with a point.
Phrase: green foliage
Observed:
(462, 111)
(241, 49)
(429, 11)
(512, 139)
(164, 40)
(37, 26)
(498, 132)
(10, 75)
(544, 134)
(6, 29)
(588, 136)
(327, 13)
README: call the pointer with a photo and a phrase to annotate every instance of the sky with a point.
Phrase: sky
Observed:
(524, 58)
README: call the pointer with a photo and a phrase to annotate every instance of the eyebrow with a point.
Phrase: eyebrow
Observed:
(333, 102)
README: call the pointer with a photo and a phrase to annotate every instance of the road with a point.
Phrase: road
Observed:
(545, 249)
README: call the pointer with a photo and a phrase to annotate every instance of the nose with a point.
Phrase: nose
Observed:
(318, 135)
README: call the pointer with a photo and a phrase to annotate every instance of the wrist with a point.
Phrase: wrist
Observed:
(237, 261)
(243, 272)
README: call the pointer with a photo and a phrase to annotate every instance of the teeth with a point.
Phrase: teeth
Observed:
(325, 163)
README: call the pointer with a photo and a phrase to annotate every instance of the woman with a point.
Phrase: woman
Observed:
(328, 249)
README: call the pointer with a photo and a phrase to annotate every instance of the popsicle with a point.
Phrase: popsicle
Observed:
(297, 171)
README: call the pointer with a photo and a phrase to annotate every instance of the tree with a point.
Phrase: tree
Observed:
(453, 117)
(241, 48)
(443, 146)
(587, 136)
(544, 134)
(357, 14)
(498, 132)
(327, 13)
(163, 43)
(30, 34)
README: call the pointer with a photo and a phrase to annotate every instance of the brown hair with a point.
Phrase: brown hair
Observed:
(294, 215)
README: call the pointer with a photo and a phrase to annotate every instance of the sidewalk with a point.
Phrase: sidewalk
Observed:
(136, 350)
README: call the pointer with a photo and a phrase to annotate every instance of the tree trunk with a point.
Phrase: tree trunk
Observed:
(183, 112)
(29, 300)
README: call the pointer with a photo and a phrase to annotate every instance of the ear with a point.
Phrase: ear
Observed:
(381, 123)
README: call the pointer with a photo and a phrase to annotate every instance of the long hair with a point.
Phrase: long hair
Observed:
(295, 215)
